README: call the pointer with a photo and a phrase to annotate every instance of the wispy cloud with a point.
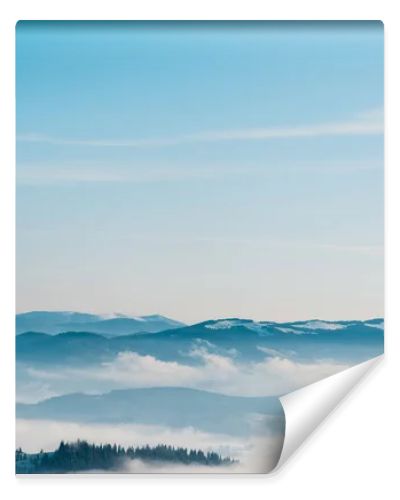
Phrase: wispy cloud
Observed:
(85, 173)
(36, 174)
(368, 123)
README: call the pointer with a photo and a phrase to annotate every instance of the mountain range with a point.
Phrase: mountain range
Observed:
(244, 339)
(169, 406)
(54, 322)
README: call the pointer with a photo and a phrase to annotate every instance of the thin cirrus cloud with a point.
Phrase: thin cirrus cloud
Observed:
(367, 123)
(38, 174)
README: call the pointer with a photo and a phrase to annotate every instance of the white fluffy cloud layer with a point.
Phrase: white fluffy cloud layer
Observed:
(275, 375)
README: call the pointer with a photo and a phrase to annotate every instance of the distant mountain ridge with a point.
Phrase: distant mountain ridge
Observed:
(296, 327)
(116, 324)
(249, 340)
(54, 322)
(169, 406)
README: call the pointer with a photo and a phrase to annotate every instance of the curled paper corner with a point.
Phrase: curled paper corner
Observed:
(307, 407)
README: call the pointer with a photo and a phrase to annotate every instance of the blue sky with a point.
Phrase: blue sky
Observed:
(201, 170)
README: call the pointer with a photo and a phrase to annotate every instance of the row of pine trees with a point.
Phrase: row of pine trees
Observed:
(83, 456)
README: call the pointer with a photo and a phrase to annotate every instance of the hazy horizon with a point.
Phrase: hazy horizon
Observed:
(138, 315)
(226, 170)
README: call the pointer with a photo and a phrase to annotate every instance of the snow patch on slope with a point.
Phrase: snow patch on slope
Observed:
(380, 326)
(224, 324)
(107, 316)
(320, 325)
(289, 330)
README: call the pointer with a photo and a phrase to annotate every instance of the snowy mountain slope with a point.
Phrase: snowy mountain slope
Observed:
(54, 322)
